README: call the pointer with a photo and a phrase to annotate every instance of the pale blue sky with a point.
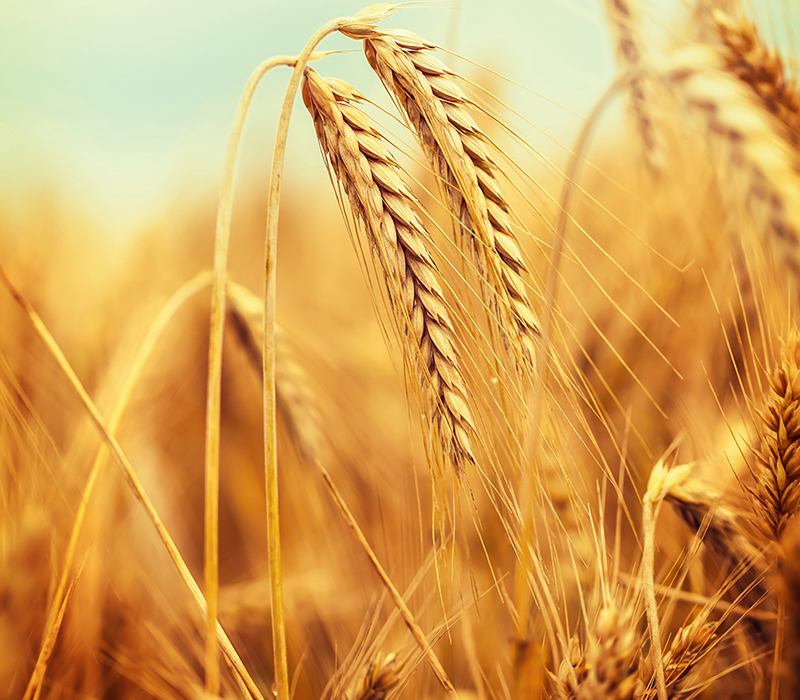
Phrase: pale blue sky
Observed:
(127, 104)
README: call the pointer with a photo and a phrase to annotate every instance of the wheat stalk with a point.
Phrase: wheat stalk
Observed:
(440, 113)
(365, 17)
(384, 207)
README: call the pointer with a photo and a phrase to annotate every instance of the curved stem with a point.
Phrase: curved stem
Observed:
(214, 385)
(270, 406)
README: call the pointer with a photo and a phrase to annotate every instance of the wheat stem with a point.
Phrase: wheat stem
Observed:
(367, 16)
(214, 383)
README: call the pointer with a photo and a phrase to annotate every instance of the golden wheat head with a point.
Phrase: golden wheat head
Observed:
(384, 207)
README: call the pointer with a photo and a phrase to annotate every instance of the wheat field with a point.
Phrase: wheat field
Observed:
(475, 422)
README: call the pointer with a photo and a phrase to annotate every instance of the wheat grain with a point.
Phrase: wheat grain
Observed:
(440, 113)
(689, 647)
(385, 208)
(381, 677)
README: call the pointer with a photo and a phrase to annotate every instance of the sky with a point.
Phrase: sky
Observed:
(125, 105)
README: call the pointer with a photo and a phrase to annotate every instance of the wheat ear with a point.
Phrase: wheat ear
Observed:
(755, 164)
(623, 16)
(688, 648)
(297, 403)
(440, 113)
(760, 67)
(608, 666)
(731, 551)
(381, 677)
(777, 471)
(384, 207)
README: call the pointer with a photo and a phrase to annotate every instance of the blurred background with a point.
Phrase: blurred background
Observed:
(124, 108)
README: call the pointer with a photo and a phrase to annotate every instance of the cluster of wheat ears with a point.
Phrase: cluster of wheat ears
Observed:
(586, 485)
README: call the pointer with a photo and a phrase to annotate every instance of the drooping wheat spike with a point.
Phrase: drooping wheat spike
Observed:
(733, 556)
(440, 113)
(755, 164)
(762, 68)
(608, 666)
(297, 403)
(623, 15)
(777, 469)
(384, 206)
(382, 675)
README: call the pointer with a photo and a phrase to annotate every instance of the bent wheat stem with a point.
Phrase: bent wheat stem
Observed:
(214, 385)
(367, 16)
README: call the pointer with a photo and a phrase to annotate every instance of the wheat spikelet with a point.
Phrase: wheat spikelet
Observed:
(439, 112)
(624, 23)
(754, 163)
(608, 666)
(383, 204)
(689, 646)
(777, 489)
(381, 677)
(762, 68)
